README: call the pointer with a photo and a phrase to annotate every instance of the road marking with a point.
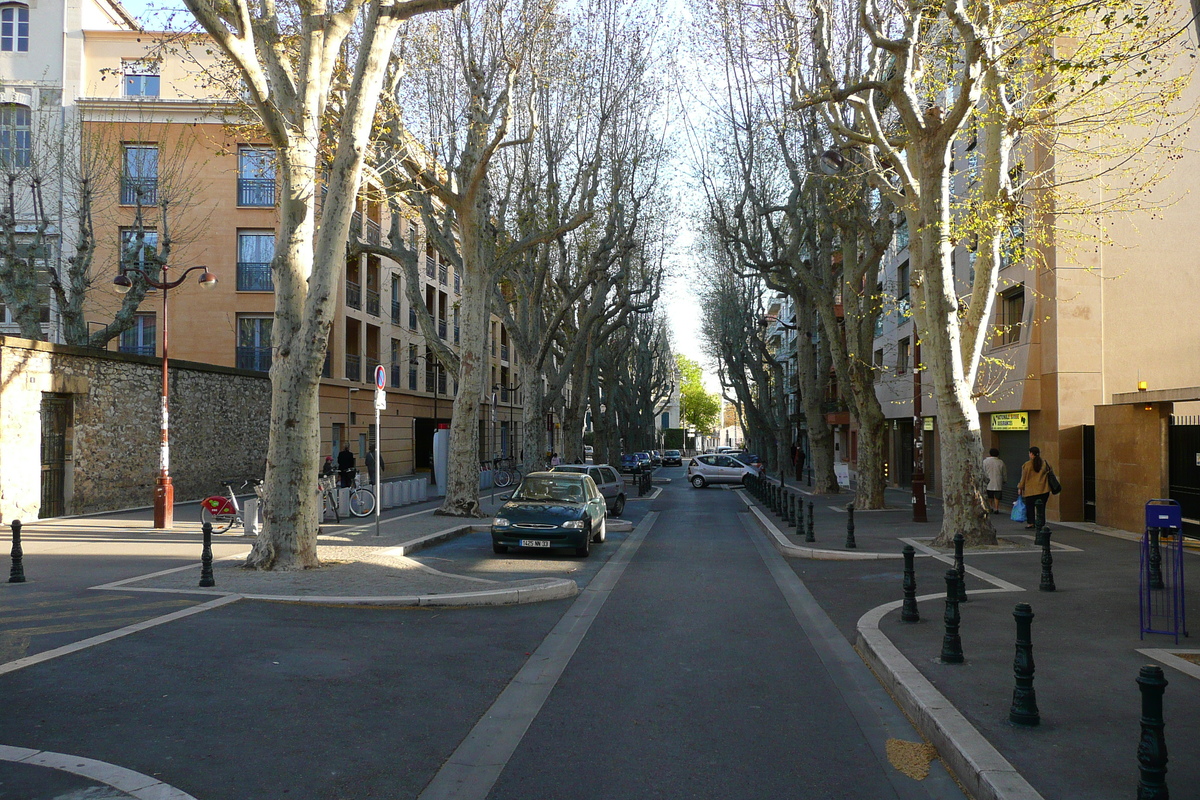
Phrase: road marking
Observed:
(21, 663)
(135, 784)
(92, 612)
(473, 768)
(999, 583)
(135, 579)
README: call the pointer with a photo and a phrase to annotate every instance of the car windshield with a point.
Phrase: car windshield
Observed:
(568, 468)
(672, 452)
(549, 489)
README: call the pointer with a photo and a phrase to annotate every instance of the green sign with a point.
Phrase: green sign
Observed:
(1011, 421)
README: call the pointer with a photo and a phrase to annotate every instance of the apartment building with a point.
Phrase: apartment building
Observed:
(172, 135)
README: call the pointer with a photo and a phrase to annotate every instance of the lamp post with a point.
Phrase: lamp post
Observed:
(164, 492)
(918, 478)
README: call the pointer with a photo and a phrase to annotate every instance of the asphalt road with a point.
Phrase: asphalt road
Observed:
(693, 665)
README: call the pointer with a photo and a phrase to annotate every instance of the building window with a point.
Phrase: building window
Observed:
(877, 362)
(256, 250)
(14, 29)
(139, 175)
(16, 141)
(903, 355)
(1010, 313)
(412, 367)
(903, 279)
(256, 177)
(141, 78)
(139, 250)
(254, 343)
(139, 339)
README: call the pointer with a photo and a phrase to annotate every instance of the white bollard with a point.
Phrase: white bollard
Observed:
(422, 491)
(253, 523)
(404, 498)
(393, 494)
(344, 502)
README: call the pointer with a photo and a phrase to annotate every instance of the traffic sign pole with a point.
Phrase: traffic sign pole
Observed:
(380, 405)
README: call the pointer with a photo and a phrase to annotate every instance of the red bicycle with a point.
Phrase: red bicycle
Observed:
(224, 511)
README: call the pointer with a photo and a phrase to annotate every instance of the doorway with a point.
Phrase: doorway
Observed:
(56, 419)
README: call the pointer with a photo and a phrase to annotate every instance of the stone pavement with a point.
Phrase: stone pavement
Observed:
(1085, 643)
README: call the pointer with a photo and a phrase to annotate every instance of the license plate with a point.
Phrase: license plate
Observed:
(534, 543)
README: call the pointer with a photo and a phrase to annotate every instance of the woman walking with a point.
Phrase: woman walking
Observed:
(1035, 488)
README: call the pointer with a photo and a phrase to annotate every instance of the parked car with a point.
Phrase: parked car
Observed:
(630, 463)
(551, 509)
(607, 480)
(713, 468)
(752, 459)
(656, 458)
(672, 458)
(644, 457)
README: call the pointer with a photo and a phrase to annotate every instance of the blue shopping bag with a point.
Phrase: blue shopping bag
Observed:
(1018, 512)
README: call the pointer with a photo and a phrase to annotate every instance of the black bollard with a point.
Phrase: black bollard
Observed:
(1152, 749)
(1156, 578)
(1039, 522)
(793, 501)
(17, 573)
(1047, 584)
(809, 537)
(1024, 710)
(908, 611)
(850, 543)
(960, 567)
(952, 652)
(206, 572)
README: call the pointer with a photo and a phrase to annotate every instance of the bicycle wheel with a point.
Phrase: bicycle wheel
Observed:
(220, 522)
(502, 478)
(362, 502)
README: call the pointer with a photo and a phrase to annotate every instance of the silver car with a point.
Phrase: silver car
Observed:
(607, 479)
(713, 468)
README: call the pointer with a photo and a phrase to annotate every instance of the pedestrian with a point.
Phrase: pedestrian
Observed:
(997, 475)
(554, 460)
(1035, 488)
(371, 464)
(799, 463)
(327, 467)
(346, 466)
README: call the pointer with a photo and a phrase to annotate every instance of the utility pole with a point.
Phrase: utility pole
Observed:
(918, 478)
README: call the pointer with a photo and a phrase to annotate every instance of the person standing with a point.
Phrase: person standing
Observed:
(554, 460)
(371, 464)
(346, 466)
(1035, 488)
(997, 476)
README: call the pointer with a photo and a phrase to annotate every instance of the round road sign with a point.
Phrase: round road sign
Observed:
(380, 377)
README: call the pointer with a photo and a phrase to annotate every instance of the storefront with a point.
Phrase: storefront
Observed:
(1010, 435)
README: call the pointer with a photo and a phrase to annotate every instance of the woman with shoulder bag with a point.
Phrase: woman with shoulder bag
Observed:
(1035, 488)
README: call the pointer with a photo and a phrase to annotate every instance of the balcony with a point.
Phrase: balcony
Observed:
(443, 274)
(456, 329)
(441, 381)
(503, 395)
(396, 313)
(256, 192)
(395, 376)
(429, 381)
(373, 302)
(254, 358)
(137, 349)
(442, 329)
(135, 190)
(457, 282)
(369, 365)
(430, 266)
(412, 319)
(353, 367)
(254, 276)
(372, 231)
(353, 294)
(327, 370)
(412, 378)
(504, 352)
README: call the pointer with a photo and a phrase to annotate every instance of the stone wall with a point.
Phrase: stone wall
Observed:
(218, 421)
(1131, 462)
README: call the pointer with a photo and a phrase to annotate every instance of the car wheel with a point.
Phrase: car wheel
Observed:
(499, 549)
(698, 481)
(586, 549)
(603, 533)
(619, 506)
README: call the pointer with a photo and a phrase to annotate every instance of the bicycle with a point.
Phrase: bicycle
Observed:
(504, 474)
(361, 502)
(224, 511)
(327, 487)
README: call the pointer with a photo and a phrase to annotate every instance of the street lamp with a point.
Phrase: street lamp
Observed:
(164, 492)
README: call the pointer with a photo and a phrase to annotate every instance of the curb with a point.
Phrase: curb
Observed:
(796, 551)
(553, 589)
(986, 774)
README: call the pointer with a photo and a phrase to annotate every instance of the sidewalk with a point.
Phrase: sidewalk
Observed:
(1085, 640)
(123, 552)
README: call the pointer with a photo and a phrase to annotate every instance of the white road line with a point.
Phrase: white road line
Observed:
(135, 579)
(999, 583)
(473, 768)
(1168, 656)
(124, 780)
(74, 647)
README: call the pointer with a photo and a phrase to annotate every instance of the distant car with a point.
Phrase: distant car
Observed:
(752, 459)
(656, 458)
(588, 452)
(644, 457)
(551, 509)
(607, 480)
(630, 463)
(714, 468)
(672, 458)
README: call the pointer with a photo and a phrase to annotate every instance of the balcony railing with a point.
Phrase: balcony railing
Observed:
(441, 329)
(395, 376)
(254, 358)
(430, 266)
(372, 231)
(373, 302)
(429, 381)
(412, 378)
(353, 367)
(456, 334)
(441, 381)
(504, 352)
(133, 189)
(327, 370)
(396, 312)
(259, 192)
(254, 276)
(137, 349)
(353, 294)
(412, 319)
(369, 365)
(503, 395)
(457, 282)
(443, 274)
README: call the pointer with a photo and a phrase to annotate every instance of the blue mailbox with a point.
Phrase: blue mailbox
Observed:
(1164, 514)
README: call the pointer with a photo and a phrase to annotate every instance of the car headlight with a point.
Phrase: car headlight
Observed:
(500, 522)
(573, 523)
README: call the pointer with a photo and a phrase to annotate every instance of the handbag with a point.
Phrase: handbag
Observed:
(1052, 481)
(1018, 510)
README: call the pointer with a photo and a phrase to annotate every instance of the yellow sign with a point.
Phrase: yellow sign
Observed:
(928, 424)
(1012, 421)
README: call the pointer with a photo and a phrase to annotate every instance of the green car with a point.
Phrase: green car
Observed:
(551, 509)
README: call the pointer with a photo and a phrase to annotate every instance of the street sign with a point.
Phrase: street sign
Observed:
(380, 400)
(1012, 421)
(380, 377)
